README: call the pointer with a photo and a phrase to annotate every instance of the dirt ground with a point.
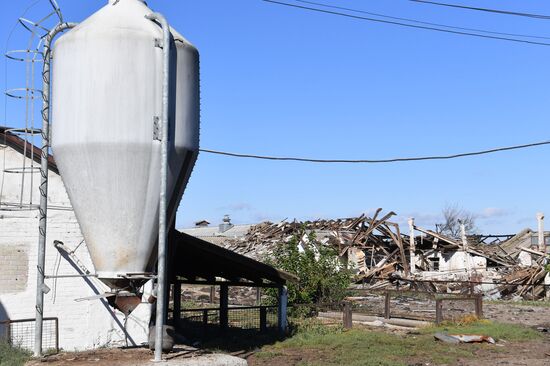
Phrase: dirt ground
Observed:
(531, 316)
(115, 356)
(535, 353)
(521, 354)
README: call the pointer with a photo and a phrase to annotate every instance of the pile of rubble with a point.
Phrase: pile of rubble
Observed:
(383, 257)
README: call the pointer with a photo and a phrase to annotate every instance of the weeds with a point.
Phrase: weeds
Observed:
(12, 356)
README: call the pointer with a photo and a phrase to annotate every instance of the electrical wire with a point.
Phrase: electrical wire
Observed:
(506, 12)
(377, 161)
(419, 21)
(406, 25)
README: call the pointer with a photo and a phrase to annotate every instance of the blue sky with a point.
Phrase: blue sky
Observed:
(283, 81)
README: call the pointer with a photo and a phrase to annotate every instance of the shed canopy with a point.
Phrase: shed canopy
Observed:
(194, 260)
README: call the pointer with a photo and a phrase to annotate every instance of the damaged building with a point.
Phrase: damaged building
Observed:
(383, 257)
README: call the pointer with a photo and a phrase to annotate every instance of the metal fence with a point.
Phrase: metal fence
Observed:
(259, 318)
(20, 333)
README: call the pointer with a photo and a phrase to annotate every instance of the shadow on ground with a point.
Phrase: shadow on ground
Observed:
(231, 340)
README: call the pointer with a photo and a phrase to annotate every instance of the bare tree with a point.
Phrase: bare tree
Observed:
(453, 216)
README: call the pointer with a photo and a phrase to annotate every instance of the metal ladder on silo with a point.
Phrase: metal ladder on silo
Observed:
(29, 57)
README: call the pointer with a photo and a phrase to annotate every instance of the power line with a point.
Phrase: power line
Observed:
(406, 25)
(377, 161)
(419, 21)
(506, 12)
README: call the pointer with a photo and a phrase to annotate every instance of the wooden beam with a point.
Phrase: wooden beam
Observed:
(229, 283)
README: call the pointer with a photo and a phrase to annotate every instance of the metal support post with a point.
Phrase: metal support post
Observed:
(281, 313)
(43, 210)
(162, 240)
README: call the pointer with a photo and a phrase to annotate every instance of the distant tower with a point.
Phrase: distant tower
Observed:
(225, 225)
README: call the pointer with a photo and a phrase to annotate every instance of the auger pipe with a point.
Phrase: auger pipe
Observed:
(162, 240)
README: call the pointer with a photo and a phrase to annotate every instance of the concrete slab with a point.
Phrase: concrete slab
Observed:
(214, 359)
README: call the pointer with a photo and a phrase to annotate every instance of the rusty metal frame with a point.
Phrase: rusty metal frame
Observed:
(9, 322)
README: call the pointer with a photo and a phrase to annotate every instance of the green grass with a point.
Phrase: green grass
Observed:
(360, 346)
(10, 356)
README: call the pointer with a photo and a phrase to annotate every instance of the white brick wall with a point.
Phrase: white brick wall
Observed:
(15, 268)
(82, 325)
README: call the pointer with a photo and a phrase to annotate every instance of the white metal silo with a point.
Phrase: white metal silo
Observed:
(107, 90)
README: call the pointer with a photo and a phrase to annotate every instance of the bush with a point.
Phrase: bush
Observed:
(322, 277)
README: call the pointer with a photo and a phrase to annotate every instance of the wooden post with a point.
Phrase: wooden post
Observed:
(177, 303)
(387, 305)
(412, 246)
(347, 315)
(263, 318)
(542, 244)
(258, 296)
(479, 306)
(224, 305)
(212, 294)
(438, 311)
(467, 263)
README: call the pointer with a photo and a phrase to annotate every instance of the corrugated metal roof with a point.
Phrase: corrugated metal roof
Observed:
(237, 231)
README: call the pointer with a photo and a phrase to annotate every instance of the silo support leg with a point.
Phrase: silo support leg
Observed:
(161, 264)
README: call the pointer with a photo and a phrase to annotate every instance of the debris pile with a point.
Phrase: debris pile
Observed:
(385, 258)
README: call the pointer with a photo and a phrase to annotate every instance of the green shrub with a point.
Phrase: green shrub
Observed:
(322, 277)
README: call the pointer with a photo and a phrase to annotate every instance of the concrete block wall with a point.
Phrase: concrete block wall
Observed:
(82, 324)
